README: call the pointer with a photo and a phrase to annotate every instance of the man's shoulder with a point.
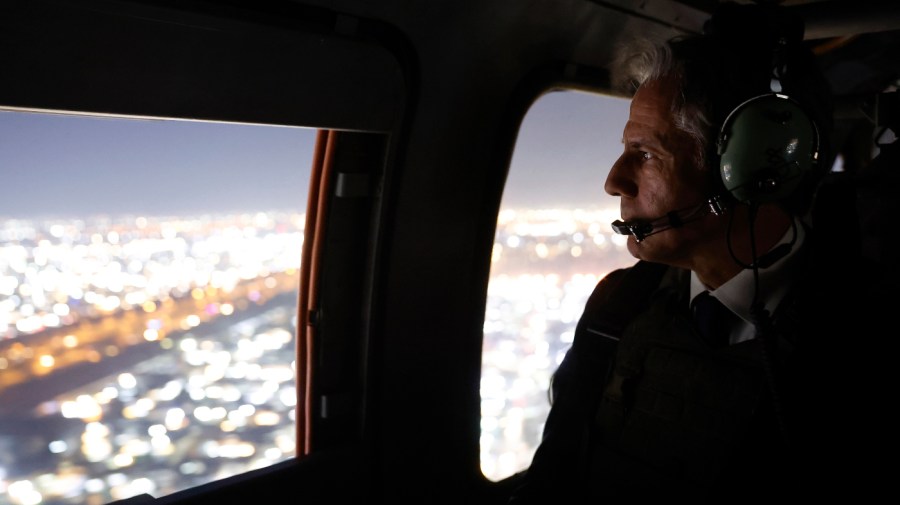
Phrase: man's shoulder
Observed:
(635, 280)
(623, 293)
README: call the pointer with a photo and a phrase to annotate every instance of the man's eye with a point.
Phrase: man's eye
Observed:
(646, 156)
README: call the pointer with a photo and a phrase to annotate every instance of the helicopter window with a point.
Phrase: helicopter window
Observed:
(553, 244)
(147, 303)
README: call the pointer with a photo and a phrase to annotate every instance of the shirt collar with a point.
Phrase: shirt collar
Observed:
(774, 281)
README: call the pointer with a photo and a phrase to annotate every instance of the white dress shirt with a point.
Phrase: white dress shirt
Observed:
(774, 283)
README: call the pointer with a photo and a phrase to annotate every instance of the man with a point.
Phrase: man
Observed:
(651, 405)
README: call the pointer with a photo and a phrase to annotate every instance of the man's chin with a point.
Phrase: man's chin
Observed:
(647, 249)
(634, 247)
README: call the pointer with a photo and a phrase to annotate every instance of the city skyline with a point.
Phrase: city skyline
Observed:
(192, 356)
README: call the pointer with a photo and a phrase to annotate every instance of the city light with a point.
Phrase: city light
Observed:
(200, 387)
(90, 291)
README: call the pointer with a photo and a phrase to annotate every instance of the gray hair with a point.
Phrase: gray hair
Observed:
(643, 60)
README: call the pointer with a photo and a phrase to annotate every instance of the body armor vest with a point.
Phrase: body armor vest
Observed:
(674, 411)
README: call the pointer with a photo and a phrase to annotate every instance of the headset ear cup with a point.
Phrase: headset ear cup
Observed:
(766, 146)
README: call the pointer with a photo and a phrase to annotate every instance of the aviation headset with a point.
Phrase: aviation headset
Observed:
(766, 146)
(769, 143)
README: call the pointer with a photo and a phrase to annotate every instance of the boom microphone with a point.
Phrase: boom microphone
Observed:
(642, 229)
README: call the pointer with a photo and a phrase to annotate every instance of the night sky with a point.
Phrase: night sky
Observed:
(56, 165)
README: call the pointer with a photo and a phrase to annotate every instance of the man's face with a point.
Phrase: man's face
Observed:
(657, 174)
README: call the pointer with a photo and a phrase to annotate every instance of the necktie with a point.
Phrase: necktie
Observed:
(714, 320)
